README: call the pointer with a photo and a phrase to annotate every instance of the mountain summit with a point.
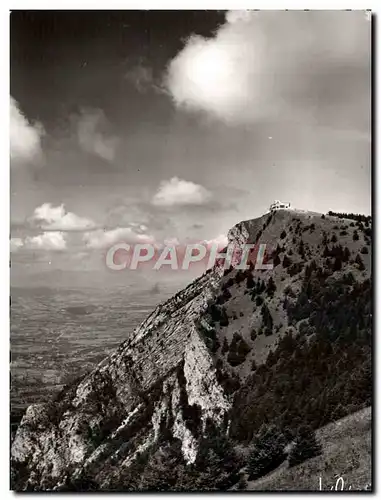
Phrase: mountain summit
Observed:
(179, 402)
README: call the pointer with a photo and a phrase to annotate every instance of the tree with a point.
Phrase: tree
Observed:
(229, 270)
(286, 261)
(267, 452)
(355, 235)
(306, 446)
(288, 291)
(268, 331)
(218, 460)
(271, 287)
(267, 320)
(161, 471)
(258, 300)
(337, 264)
(368, 232)
(242, 483)
(228, 283)
(215, 312)
(360, 262)
(346, 254)
(81, 484)
(301, 249)
(225, 346)
(238, 350)
(239, 277)
(276, 260)
(224, 296)
(283, 234)
(250, 283)
(224, 321)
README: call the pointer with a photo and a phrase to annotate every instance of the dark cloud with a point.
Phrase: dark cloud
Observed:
(25, 136)
(141, 77)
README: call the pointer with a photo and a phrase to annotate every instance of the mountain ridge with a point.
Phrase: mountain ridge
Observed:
(180, 372)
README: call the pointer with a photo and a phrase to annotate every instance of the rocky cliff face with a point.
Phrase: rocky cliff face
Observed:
(168, 378)
(117, 410)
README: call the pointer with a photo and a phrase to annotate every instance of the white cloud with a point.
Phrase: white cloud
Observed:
(91, 135)
(52, 240)
(177, 192)
(57, 218)
(16, 244)
(25, 137)
(102, 239)
(234, 16)
(171, 241)
(138, 227)
(265, 64)
(221, 241)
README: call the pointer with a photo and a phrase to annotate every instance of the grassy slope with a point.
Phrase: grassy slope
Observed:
(347, 446)
(242, 312)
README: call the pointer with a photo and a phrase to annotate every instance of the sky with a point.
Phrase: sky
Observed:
(142, 126)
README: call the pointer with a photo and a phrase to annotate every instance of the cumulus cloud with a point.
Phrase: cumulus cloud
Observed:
(221, 241)
(52, 240)
(99, 238)
(171, 241)
(176, 192)
(57, 218)
(234, 16)
(265, 64)
(25, 137)
(138, 226)
(93, 137)
(16, 244)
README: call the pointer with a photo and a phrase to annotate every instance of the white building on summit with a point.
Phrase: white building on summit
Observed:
(278, 205)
